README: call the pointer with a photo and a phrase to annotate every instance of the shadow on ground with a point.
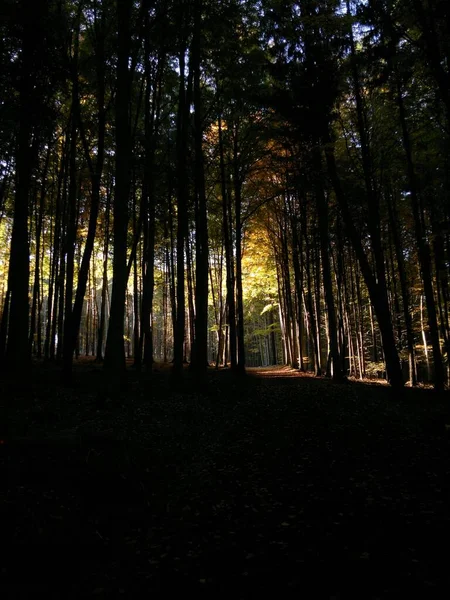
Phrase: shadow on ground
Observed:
(274, 483)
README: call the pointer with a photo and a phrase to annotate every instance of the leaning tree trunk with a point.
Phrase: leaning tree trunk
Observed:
(378, 295)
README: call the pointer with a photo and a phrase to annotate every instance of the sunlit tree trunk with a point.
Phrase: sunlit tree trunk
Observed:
(182, 215)
(37, 266)
(423, 248)
(72, 216)
(102, 319)
(378, 295)
(200, 356)
(229, 263)
(297, 251)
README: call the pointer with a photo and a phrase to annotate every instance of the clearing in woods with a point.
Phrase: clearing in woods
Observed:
(274, 483)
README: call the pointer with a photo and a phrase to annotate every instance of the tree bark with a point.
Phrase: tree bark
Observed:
(423, 248)
(200, 356)
(322, 212)
(182, 216)
(240, 366)
(96, 172)
(377, 293)
(17, 349)
(115, 365)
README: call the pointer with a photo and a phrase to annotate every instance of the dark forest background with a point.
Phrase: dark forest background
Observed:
(229, 182)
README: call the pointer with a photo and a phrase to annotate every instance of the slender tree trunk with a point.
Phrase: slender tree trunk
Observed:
(182, 216)
(239, 291)
(322, 212)
(423, 249)
(37, 267)
(424, 338)
(96, 171)
(406, 302)
(298, 282)
(377, 294)
(71, 236)
(286, 277)
(190, 330)
(229, 263)
(152, 105)
(115, 365)
(171, 273)
(136, 312)
(102, 320)
(201, 234)
(17, 349)
(55, 244)
(309, 298)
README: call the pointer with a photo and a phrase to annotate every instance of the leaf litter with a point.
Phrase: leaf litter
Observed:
(273, 483)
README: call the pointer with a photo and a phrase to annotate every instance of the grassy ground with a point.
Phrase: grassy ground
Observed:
(278, 484)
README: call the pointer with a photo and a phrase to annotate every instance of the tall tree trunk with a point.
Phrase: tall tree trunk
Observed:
(55, 244)
(229, 263)
(136, 312)
(239, 291)
(152, 106)
(423, 248)
(96, 172)
(406, 302)
(17, 349)
(200, 357)
(72, 208)
(115, 364)
(72, 224)
(190, 330)
(374, 225)
(377, 294)
(313, 325)
(182, 216)
(297, 252)
(290, 318)
(37, 267)
(102, 319)
(322, 212)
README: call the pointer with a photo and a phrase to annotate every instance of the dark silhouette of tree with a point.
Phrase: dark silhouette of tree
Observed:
(114, 351)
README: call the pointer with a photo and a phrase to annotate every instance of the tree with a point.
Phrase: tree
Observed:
(114, 351)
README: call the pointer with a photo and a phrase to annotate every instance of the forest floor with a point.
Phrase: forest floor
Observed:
(278, 484)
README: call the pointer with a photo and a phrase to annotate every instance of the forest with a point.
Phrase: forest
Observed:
(224, 299)
(233, 183)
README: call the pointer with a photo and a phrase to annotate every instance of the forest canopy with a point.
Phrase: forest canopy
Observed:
(231, 183)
